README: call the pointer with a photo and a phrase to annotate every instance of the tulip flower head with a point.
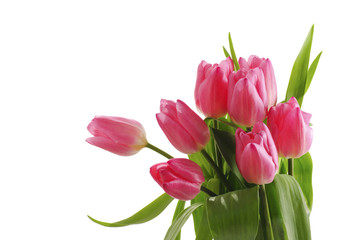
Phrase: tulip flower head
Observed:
(211, 88)
(179, 177)
(269, 77)
(290, 129)
(247, 97)
(256, 154)
(183, 127)
(118, 135)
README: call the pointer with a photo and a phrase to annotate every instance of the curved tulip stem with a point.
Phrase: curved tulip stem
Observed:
(263, 196)
(160, 151)
(231, 124)
(290, 166)
(216, 169)
(209, 192)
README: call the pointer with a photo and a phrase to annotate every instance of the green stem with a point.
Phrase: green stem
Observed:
(216, 169)
(231, 124)
(290, 166)
(263, 195)
(160, 151)
(249, 129)
(209, 192)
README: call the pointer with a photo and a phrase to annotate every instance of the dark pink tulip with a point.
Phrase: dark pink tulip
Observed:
(118, 135)
(269, 77)
(247, 97)
(290, 129)
(211, 88)
(179, 177)
(256, 154)
(183, 127)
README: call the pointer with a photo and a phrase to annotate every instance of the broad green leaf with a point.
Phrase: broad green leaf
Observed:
(233, 53)
(146, 214)
(198, 158)
(226, 52)
(227, 146)
(288, 209)
(311, 71)
(178, 210)
(298, 78)
(177, 225)
(303, 174)
(213, 185)
(234, 215)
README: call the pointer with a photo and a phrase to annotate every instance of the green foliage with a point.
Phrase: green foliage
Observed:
(233, 53)
(303, 174)
(234, 215)
(146, 214)
(178, 210)
(176, 226)
(288, 210)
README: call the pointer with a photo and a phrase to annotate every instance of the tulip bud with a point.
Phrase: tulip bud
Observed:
(247, 97)
(183, 127)
(256, 154)
(179, 177)
(118, 135)
(290, 129)
(211, 88)
(266, 66)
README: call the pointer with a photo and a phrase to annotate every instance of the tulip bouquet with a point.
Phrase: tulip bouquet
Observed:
(248, 174)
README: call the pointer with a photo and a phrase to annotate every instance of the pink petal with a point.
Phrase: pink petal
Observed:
(176, 134)
(187, 170)
(270, 81)
(181, 189)
(109, 145)
(168, 107)
(194, 125)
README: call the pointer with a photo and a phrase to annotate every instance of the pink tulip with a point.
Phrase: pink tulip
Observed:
(290, 129)
(183, 127)
(269, 77)
(256, 154)
(211, 88)
(118, 135)
(247, 97)
(179, 177)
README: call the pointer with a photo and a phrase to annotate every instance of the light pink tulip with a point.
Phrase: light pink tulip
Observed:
(179, 177)
(290, 129)
(118, 135)
(256, 154)
(211, 88)
(247, 97)
(183, 127)
(269, 77)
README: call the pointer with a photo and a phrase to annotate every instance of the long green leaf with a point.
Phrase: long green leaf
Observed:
(213, 184)
(311, 71)
(204, 233)
(233, 53)
(146, 214)
(234, 215)
(225, 52)
(178, 210)
(303, 174)
(227, 146)
(298, 78)
(177, 225)
(288, 209)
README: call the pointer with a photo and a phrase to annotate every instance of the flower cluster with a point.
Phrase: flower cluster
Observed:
(244, 98)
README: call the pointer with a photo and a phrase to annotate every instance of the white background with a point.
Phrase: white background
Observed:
(63, 62)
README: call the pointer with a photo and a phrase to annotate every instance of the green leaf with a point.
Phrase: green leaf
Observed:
(213, 184)
(178, 210)
(204, 233)
(234, 215)
(303, 174)
(311, 71)
(146, 214)
(227, 146)
(233, 53)
(226, 52)
(177, 225)
(297, 83)
(288, 209)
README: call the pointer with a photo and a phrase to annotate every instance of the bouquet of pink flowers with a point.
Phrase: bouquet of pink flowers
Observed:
(248, 174)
